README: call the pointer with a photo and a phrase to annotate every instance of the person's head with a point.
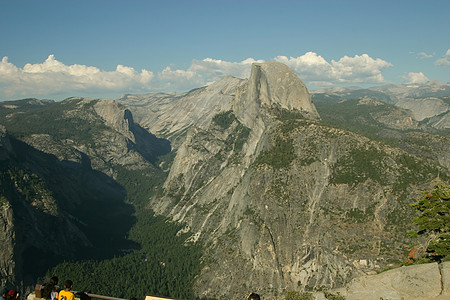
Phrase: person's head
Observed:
(4, 293)
(12, 295)
(54, 280)
(68, 284)
(254, 296)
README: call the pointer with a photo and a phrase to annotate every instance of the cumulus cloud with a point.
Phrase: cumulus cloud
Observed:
(412, 78)
(205, 71)
(312, 67)
(53, 77)
(445, 61)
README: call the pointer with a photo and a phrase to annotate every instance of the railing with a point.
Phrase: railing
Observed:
(37, 295)
(114, 298)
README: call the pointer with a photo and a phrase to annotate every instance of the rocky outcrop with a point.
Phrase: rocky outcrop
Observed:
(271, 83)
(423, 108)
(7, 242)
(418, 282)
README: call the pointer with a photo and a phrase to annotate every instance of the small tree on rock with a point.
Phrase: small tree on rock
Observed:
(434, 221)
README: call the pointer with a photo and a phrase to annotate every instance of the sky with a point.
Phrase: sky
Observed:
(106, 48)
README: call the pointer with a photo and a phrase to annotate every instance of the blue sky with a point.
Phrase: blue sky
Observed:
(96, 48)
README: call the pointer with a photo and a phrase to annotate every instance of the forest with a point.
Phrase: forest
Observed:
(164, 265)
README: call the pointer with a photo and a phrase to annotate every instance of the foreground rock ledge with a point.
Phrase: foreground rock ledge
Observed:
(417, 282)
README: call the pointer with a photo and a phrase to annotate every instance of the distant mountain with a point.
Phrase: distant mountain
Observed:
(338, 94)
(432, 88)
(427, 102)
(431, 110)
(390, 93)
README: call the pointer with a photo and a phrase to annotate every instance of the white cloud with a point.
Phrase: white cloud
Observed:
(415, 78)
(216, 68)
(203, 72)
(53, 77)
(312, 67)
(445, 61)
(422, 54)
(425, 55)
(179, 79)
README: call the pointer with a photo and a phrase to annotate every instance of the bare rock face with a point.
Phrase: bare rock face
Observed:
(171, 115)
(432, 110)
(5, 144)
(7, 242)
(418, 282)
(424, 107)
(115, 116)
(272, 83)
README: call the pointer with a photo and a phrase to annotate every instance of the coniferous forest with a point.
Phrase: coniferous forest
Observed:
(163, 265)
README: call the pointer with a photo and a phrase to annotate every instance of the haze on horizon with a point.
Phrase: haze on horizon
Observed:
(57, 49)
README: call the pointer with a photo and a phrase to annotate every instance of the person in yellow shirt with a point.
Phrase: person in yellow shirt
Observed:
(66, 294)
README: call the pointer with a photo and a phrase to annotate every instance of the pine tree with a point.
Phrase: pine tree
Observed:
(434, 222)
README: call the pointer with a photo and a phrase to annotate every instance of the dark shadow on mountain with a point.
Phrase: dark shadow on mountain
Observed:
(91, 221)
(146, 143)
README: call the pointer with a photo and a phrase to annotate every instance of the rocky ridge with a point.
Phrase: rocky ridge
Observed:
(171, 115)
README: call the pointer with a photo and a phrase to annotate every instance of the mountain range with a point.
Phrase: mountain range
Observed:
(282, 189)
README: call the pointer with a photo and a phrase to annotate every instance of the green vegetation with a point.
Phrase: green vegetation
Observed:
(362, 163)
(242, 134)
(58, 120)
(164, 264)
(296, 295)
(153, 257)
(358, 216)
(434, 222)
(236, 138)
(359, 165)
(332, 296)
(3, 200)
(224, 119)
(140, 184)
(279, 156)
(351, 116)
